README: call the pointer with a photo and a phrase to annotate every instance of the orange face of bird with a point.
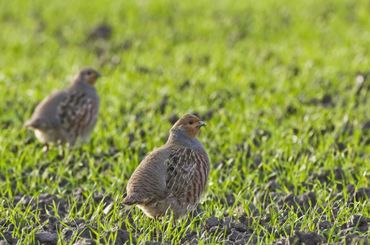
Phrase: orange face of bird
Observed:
(190, 124)
(89, 75)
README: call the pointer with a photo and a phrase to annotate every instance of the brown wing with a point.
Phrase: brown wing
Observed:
(77, 113)
(45, 115)
(187, 174)
(148, 182)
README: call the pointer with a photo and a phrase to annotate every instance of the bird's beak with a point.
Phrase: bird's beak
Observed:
(98, 75)
(202, 123)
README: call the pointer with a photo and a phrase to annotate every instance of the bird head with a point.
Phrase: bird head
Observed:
(88, 75)
(189, 125)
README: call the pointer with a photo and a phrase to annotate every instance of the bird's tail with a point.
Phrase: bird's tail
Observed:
(35, 123)
(130, 200)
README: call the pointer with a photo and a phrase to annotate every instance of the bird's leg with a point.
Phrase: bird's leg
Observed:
(45, 148)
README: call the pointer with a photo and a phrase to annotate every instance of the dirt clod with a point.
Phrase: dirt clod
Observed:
(235, 235)
(325, 225)
(152, 243)
(163, 104)
(366, 126)
(47, 237)
(230, 199)
(360, 222)
(184, 85)
(357, 239)
(101, 31)
(122, 236)
(85, 242)
(310, 238)
(327, 100)
(362, 193)
(211, 222)
(272, 185)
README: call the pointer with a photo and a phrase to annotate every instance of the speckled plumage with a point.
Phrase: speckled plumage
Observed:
(70, 114)
(173, 176)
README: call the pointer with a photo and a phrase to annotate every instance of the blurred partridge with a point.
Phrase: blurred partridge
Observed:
(173, 176)
(70, 114)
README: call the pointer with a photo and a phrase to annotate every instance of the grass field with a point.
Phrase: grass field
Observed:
(283, 85)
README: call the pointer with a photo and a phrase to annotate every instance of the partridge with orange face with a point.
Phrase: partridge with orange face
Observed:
(174, 176)
(70, 114)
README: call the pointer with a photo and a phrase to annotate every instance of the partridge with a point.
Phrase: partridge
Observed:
(173, 176)
(70, 114)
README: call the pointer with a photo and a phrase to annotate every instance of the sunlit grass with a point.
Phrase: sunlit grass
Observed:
(283, 86)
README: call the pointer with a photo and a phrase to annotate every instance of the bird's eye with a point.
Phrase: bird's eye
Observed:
(191, 122)
(89, 73)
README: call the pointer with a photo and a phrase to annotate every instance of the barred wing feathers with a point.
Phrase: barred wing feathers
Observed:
(187, 174)
(78, 113)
